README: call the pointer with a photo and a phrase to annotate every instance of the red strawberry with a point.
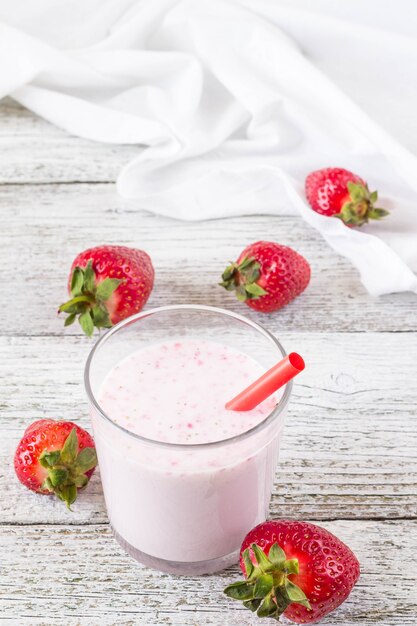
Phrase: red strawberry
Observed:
(267, 276)
(106, 285)
(339, 193)
(55, 457)
(294, 568)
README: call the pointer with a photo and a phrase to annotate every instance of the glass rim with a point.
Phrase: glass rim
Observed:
(271, 417)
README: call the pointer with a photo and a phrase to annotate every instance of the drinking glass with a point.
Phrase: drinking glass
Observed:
(184, 508)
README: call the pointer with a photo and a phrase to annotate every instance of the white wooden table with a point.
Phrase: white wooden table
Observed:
(349, 459)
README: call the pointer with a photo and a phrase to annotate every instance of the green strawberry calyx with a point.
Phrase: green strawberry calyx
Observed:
(88, 299)
(360, 207)
(241, 278)
(67, 469)
(267, 588)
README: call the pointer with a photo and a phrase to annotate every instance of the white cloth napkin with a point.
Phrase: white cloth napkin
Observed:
(233, 103)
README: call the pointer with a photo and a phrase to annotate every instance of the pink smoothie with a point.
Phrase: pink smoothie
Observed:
(184, 503)
(176, 392)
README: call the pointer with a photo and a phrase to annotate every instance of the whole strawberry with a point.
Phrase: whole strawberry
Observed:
(55, 457)
(294, 568)
(267, 276)
(106, 285)
(337, 192)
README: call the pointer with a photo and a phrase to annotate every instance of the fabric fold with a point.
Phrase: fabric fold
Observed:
(231, 103)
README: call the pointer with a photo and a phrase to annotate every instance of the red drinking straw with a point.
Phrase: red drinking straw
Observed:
(269, 382)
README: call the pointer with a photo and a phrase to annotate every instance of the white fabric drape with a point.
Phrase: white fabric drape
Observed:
(233, 102)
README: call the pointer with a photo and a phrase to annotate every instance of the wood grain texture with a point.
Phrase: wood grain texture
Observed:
(349, 456)
(35, 151)
(83, 577)
(46, 226)
(350, 445)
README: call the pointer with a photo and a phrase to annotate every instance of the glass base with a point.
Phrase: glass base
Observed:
(196, 568)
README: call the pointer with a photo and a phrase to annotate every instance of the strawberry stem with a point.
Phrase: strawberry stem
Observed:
(267, 588)
(241, 278)
(88, 300)
(67, 468)
(360, 206)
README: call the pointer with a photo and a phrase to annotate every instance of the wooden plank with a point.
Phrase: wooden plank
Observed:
(78, 575)
(33, 150)
(44, 228)
(350, 445)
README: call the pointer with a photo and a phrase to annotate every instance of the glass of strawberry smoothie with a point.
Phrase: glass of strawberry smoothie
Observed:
(184, 479)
